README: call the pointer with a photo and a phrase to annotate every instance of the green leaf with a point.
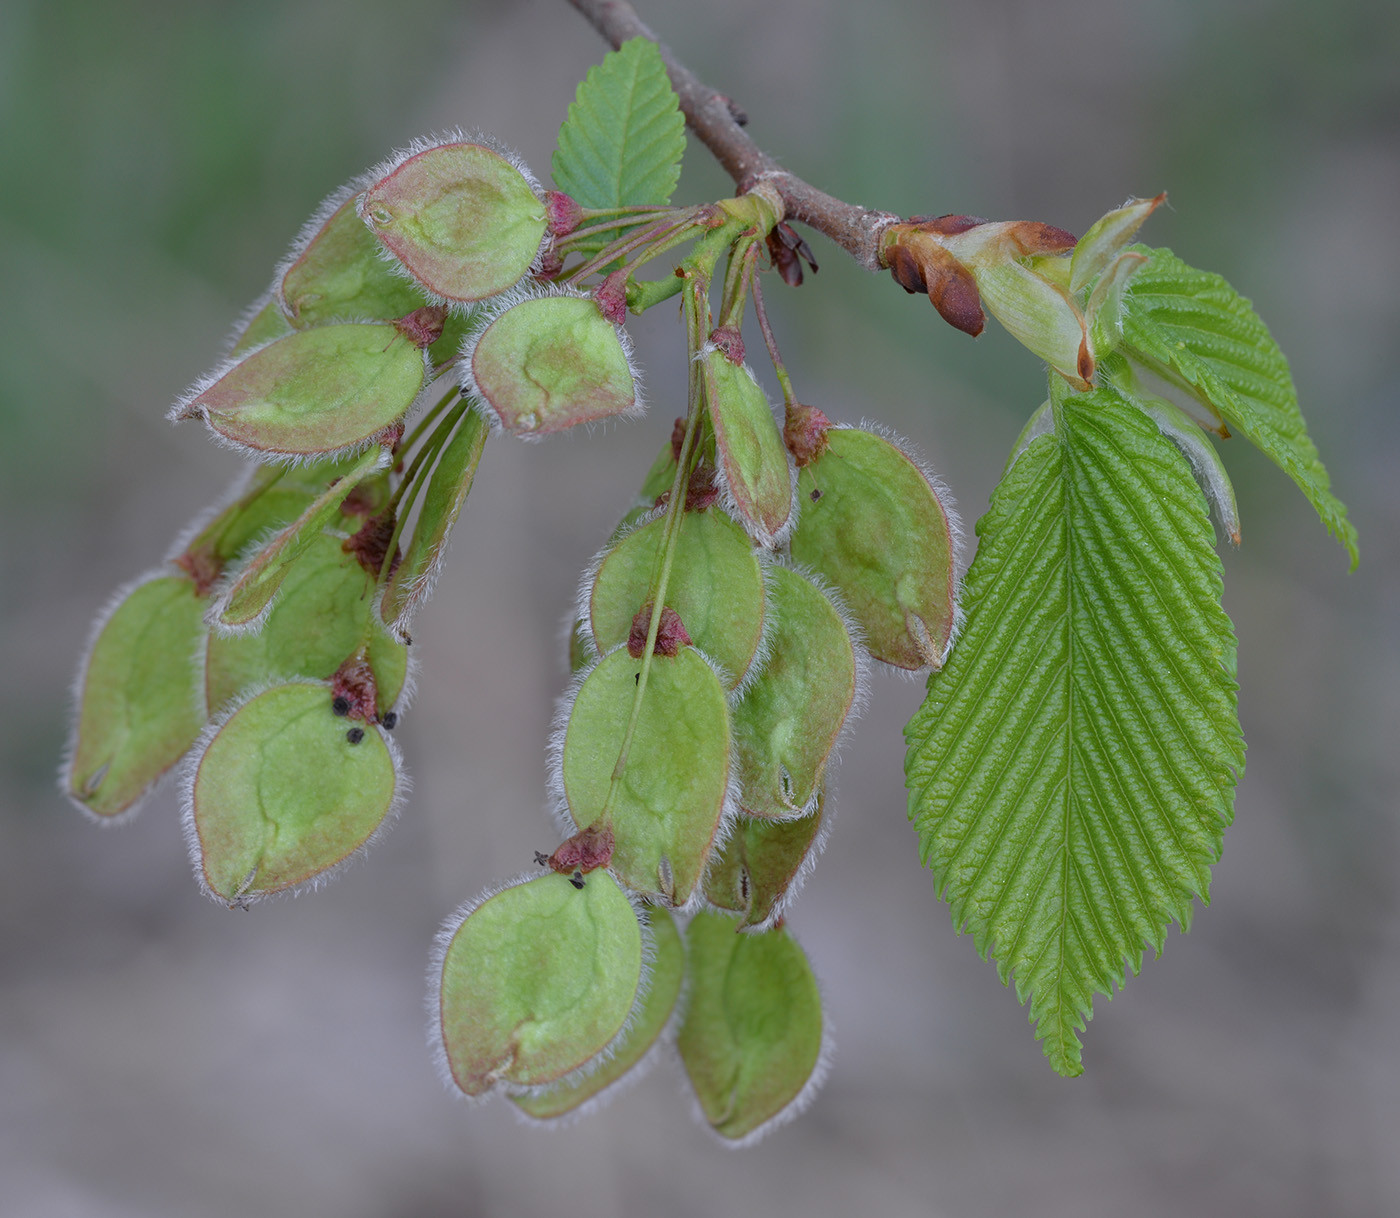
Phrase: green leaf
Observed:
(1071, 772)
(667, 803)
(138, 702)
(751, 1039)
(636, 1042)
(282, 794)
(1197, 333)
(241, 605)
(447, 491)
(536, 980)
(624, 136)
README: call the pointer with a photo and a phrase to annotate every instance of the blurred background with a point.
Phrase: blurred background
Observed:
(160, 1055)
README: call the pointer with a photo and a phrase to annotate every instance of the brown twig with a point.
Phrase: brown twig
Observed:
(711, 116)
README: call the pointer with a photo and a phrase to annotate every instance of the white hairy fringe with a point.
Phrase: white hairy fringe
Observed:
(246, 318)
(196, 525)
(66, 777)
(659, 1048)
(425, 143)
(442, 942)
(184, 409)
(755, 530)
(800, 1102)
(492, 310)
(190, 775)
(957, 536)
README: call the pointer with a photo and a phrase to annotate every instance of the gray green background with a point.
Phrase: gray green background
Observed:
(162, 1056)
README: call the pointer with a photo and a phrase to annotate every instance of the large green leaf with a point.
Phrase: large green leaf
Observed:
(1072, 769)
(1193, 329)
(624, 136)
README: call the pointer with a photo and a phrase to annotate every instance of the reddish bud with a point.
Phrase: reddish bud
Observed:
(423, 327)
(677, 438)
(562, 212)
(671, 634)
(586, 851)
(611, 296)
(947, 226)
(804, 433)
(371, 543)
(203, 566)
(702, 490)
(353, 687)
(788, 251)
(730, 341)
(551, 263)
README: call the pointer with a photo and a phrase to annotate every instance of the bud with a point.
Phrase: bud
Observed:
(544, 363)
(716, 589)
(1107, 238)
(313, 392)
(804, 433)
(752, 1038)
(762, 864)
(534, 981)
(632, 1052)
(754, 469)
(881, 532)
(966, 263)
(278, 794)
(672, 794)
(135, 713)
(463, 219)
(787, 725)
(564, 213)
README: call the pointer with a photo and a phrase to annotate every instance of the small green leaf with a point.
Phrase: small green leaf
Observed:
(876, 529)
(762, 863)
(716, 586)
(666, 805)
(645, 1031)
(324, 613)
(1204, 339)
(241, 605)
(751, 1039)
(624, 136)
(1072, 770)
(787, 724)
(548, 363)
(463, 220)
(447, 491)
(281, 794)
(338, 274)
(536, 980)
(138, 696)
(753, 460)
(312, 392)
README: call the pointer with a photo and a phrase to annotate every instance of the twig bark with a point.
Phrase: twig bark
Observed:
(712, 117)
